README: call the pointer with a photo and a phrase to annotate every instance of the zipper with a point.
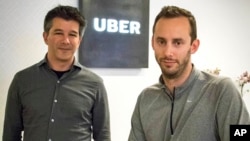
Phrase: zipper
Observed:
(171, 114)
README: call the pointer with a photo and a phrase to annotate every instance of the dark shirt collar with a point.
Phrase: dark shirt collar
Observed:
(44, 61)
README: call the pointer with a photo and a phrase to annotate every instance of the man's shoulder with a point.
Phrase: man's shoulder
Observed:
(211, 78)
(90, 75)
(28, 70)
(153, 89)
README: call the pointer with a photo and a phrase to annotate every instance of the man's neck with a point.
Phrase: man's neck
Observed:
(58, 65)
(176, 82)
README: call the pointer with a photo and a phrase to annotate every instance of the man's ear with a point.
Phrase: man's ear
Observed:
(81, 38)
(45, 37)
(195, 46)
(152, 42)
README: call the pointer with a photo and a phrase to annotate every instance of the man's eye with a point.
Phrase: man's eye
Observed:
(161, 42)
(74, 35)
(177, 43)
(58, 33)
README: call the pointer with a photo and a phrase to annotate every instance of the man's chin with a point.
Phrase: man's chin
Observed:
(169, 72)
(65, 59)
(169, 67)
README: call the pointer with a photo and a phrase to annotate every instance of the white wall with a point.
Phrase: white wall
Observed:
(223, 28)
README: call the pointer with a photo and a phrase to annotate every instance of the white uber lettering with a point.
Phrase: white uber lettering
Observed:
(112, 25)
(123, 26)
(99, 27)
(135, 27)
(120, 26)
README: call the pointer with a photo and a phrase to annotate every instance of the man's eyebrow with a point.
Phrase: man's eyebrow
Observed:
(75, 32)
(56, 30)
(60, 30)
(178, 39)
(160, 38)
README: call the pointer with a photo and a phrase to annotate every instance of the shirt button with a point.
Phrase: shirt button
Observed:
(52, 120)
(58, 81)
(50, 139)
(55, 101)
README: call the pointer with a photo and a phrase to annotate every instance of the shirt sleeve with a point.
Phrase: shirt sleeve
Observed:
(101, 117)
(231, 109)
(13, 125)
(136, 132)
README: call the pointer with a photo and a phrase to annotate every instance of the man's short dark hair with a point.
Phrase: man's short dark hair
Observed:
(173, 12)
(67, 13)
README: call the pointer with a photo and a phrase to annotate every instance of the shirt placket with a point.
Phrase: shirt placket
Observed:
(52, 115)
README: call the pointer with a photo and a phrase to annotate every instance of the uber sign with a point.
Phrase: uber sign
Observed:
(112, 25)
(116, 35)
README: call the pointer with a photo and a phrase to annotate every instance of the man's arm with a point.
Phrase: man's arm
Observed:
(101, 118)
(231, 109)
(136, 132)
(13, 125)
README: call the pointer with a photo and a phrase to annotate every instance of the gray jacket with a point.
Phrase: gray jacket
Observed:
(202, 109)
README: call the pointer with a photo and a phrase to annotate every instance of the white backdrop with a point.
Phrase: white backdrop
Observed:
(223, 28)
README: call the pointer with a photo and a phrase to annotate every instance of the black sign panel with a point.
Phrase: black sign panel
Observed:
(116, 35)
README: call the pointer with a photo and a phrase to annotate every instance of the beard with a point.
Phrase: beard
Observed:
(173, 72)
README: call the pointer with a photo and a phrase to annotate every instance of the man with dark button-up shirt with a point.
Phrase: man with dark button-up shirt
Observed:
(58, 99)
